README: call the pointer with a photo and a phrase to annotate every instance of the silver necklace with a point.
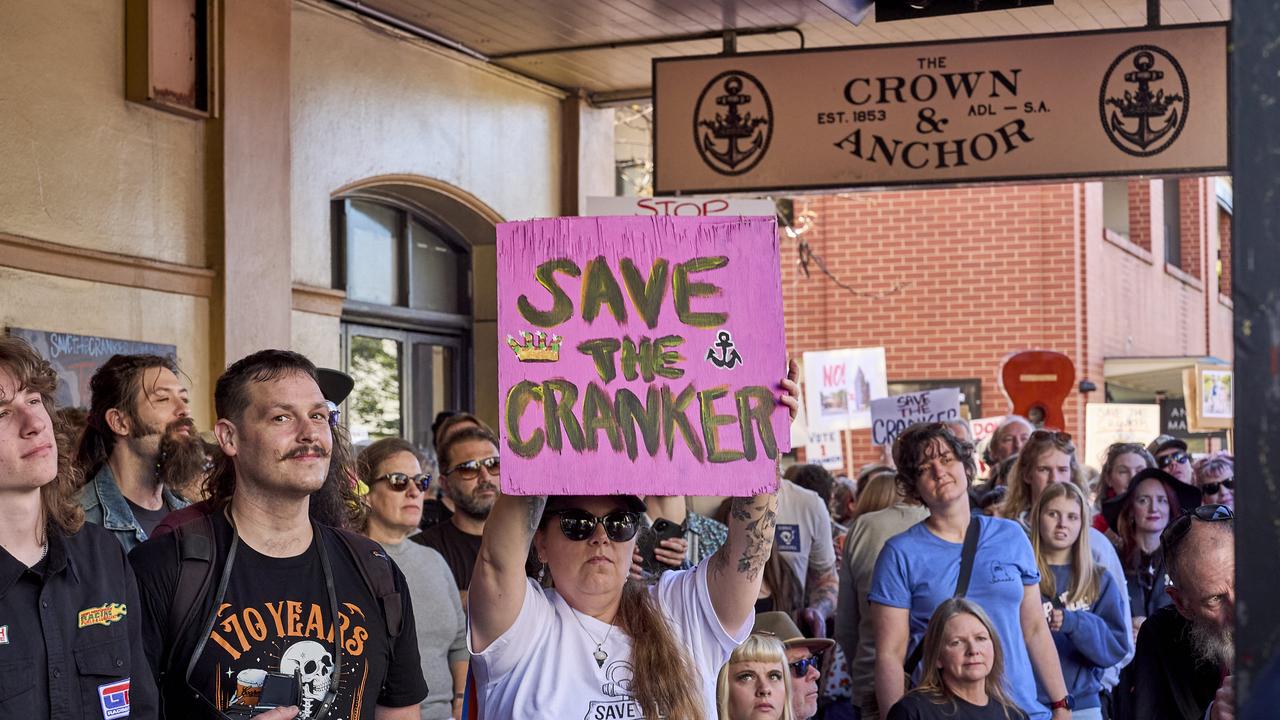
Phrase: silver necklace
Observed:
(600, 655)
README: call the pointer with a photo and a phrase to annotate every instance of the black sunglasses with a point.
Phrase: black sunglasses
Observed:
(1213, 487)
(1178, 529)
(1167, 460)
(578, 525)
(800, 667)
(472, 469)
(400, 481)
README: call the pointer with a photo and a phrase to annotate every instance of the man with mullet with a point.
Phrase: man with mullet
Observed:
(286, 613)
(139, 433)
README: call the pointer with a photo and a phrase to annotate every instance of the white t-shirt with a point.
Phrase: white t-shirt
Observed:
(803, 533)
(542, 666)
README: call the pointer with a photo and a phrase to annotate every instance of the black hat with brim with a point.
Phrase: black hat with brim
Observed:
(1188, 496)
(334, 385)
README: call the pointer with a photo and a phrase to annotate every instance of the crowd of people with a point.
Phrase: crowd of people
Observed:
(266, 568)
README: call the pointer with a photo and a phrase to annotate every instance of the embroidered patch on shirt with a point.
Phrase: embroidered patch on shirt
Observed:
(787, 537)
(103, 615)
(115, 699)
(4, 634)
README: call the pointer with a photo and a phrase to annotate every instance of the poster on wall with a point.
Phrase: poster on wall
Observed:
(839, 386)
(891, 415)
(640, 355)
(1107, 423)
(76, 357)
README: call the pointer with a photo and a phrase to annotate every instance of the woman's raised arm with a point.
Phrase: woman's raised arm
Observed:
(498, 582)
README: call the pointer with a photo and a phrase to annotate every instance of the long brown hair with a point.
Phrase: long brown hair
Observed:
(784, 586)
(1018, 501)
(116, 385)
(1085, 577)
(665, 683)
(32, 372)
(1127, 529)
(931, 682)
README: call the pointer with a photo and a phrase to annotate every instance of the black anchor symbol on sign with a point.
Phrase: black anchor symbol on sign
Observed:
(729, 357)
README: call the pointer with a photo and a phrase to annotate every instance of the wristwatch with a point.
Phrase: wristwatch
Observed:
(1066, 703)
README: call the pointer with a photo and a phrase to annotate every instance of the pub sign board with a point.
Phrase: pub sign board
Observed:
(641, 355)
(1108, 103)
(75, 358)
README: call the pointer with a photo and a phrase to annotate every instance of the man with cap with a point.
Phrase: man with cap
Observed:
(1172, 457)
(804, 658)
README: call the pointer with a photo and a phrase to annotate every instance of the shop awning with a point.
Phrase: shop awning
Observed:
(1138, 379)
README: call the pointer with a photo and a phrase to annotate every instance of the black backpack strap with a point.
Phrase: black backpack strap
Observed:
(375, 570)
(967, 555)
(195, 575)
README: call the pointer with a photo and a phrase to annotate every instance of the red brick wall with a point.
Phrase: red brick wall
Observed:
(1224, 240)
(1140, 213)
(981, 273)
(1190, 197)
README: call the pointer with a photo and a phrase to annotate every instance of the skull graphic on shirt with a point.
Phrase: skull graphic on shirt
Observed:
(314, 665)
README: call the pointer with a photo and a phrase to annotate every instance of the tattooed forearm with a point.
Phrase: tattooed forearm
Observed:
(823, 593)
(759, 541)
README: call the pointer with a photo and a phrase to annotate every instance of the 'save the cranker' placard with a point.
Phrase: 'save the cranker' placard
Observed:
(640, 355)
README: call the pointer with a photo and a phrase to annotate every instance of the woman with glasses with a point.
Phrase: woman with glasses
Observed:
(920, 569)
(1123, 461)
(391, 469)
(962, 675)
(1139, 516)
(1215, 476)
(1082, 602)
(597, 643)
(754, 685)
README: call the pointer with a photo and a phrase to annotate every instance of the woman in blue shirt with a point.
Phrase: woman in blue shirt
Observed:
(1082, 602)
(918, 570)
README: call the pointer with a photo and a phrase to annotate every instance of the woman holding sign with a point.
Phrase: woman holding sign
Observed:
(921, 568)
(599, 644)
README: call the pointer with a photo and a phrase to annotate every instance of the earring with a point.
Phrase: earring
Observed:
(542, 573)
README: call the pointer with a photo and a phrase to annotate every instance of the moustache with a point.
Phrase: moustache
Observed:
(305, 450)
(186, 422)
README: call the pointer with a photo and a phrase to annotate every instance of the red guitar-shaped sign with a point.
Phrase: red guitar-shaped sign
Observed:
(1037, 382)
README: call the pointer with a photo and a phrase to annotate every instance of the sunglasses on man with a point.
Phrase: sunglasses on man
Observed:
(400, 481)
(1179, 528)
(579, 525)
(800, 667)
(472, 469)
(1167, 460)
(1212, 488)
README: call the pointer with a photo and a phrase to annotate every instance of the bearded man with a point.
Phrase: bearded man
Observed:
(469, 477)
(139, 443)
(1183, 664)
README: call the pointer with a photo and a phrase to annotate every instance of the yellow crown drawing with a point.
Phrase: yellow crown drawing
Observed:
(536, 348)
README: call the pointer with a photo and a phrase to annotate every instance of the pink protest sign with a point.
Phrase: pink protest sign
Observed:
(640, 355)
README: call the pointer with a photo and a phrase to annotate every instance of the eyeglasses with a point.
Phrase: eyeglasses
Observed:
(1178, 529)
(579, 525)
(473, 469)
(1054, 435)
(1167, 460)
(800, 667)
(400, 481)
(1212, 488)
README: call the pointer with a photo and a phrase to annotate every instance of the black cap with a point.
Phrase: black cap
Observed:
(334, 385)
(1188, 496)
(1164, 442)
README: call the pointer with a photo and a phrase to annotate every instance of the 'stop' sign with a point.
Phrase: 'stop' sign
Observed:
(640, 355)
(1060, 106)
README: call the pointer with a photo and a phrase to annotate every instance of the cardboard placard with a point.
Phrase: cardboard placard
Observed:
(640, 355)
(839, 386)
(825, 449)
(1107, 423)
(891, 415)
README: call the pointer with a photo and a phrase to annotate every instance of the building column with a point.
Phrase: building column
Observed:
(250, 240)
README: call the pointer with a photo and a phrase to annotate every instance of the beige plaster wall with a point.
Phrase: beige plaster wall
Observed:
(45, 302)
(318, 337)
(365, 104)
(78, 164)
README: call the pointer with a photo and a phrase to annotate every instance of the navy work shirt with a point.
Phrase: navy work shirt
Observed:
(71, 633)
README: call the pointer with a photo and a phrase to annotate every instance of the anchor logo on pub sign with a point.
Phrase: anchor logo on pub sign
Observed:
(1144, 100)
(732, 123)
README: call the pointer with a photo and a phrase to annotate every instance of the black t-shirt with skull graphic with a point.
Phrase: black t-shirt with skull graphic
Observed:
(276, 618)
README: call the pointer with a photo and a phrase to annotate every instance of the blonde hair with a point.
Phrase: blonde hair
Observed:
(1018, 501)
(1085, 575)
(879, 491)
(932, 684)
(756, 648)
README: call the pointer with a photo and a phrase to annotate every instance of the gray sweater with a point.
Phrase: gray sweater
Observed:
(437, 612)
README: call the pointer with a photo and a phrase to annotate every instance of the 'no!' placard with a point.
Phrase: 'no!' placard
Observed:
(640, 355)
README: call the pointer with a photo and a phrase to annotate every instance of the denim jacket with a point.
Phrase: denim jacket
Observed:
(105, 505)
